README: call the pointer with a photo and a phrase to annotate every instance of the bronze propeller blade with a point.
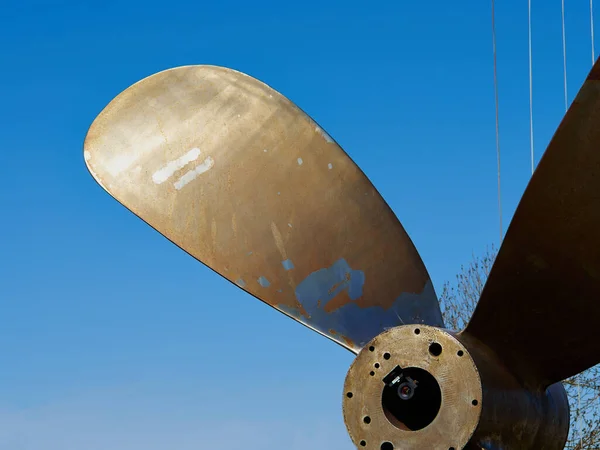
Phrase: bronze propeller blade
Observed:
(542, 297)
(240, 178)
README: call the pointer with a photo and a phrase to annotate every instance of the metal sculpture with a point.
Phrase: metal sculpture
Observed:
(240, 178)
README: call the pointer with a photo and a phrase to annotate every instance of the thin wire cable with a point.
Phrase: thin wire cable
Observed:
(497, 115)
(593, 62)
(531, 93)
(592, 30)
(564, 43)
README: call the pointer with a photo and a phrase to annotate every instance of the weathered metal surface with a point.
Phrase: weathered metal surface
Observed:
(240, 178)
(481, 405)
(541, 302)
(369, 420)
(513, 416)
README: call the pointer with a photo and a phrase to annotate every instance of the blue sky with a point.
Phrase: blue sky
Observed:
(111, 337)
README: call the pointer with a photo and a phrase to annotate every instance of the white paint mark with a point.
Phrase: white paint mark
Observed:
(87, 155)
(166, 172)
(300, 161)
(323, 133)
(95, 175)
(279, 193)
(204, 166)
(330, 166)
(265, 150)
(290, 225)
(239, 115)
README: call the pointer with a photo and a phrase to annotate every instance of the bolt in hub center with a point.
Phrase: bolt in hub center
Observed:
(411, 398)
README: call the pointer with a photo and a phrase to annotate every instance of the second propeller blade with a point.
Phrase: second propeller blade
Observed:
(541, 305)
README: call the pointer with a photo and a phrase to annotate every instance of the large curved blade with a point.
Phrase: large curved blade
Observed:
(239, 177)
(540, 308)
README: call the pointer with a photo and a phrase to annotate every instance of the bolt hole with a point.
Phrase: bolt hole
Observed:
(367, 420)
(435, 349)
(372, 374)
(460, 353)
(349, 395)
(363, 443)
(386, 356)
(451, 448)
(417, 331)
(387, 446)
(474, 402)
(371, 348)
(377, 365)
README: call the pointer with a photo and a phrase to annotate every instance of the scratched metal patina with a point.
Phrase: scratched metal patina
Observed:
(320, 293)
(240, 178)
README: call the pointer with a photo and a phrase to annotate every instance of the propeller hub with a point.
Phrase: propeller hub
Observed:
(412, 387)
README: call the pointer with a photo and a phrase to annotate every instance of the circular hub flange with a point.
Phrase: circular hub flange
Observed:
(412, 387)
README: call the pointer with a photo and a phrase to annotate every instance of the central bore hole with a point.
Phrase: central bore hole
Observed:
(411, 398)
